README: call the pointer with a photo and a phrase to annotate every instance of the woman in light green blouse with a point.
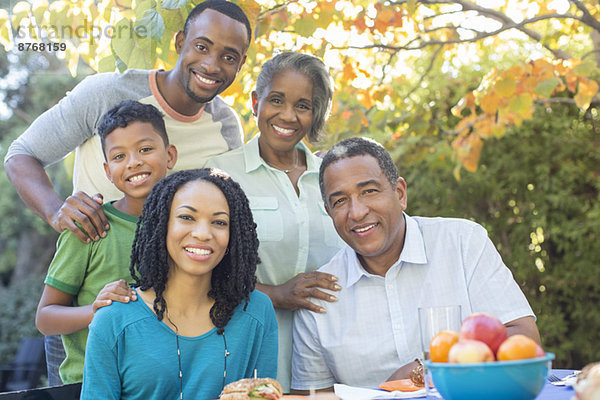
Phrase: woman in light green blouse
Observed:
(280, 177)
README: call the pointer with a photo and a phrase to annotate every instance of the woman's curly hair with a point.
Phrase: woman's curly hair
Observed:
(232, 279)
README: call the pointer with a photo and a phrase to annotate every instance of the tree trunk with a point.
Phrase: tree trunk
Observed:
(34, 253)
(596, 40)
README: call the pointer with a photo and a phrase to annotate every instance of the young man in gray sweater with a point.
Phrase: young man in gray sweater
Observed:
(212, 48)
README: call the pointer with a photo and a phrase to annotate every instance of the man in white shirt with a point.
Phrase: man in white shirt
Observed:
(392, 265)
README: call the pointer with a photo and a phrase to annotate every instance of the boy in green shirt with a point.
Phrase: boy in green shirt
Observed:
(137, 155)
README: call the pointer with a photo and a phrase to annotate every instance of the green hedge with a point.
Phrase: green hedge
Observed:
(17, 314)
(537, 194)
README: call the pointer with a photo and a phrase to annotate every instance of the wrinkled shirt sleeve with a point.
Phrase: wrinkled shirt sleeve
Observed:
(309, 368)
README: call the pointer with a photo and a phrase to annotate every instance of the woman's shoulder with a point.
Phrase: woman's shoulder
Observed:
(224, 160)
(259, 307)
(259, 298)
(117, 316)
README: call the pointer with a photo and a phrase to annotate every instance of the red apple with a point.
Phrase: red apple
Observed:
(470, 351)
(483, 327)
(539, 352)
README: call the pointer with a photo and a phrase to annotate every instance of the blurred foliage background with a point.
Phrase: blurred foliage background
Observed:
(489, 108)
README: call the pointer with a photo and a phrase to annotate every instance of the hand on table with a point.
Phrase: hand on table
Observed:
(403, 372)
(85, 210)
(114, 291)
(296, 292)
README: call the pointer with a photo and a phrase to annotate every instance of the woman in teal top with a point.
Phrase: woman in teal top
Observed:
(280, 176)
(200, 324)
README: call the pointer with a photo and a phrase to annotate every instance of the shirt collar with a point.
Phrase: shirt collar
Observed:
(255, 161)
(413, 252)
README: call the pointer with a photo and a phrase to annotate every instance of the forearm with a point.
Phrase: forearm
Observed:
(57, 319)
(270, 291)
(524, 326)
(33, 186)
(305, 392)
(403, 372)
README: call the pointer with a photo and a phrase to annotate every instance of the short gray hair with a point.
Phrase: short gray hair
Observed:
(359, 146)
(316, 71)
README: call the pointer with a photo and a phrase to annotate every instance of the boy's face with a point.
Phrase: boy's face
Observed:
(136, 158)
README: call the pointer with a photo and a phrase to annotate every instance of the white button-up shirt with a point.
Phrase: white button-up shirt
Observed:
(373, 328)
(295, 233)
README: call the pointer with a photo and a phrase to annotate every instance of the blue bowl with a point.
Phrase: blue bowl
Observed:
(497, 380)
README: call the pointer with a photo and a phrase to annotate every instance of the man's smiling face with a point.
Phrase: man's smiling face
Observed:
(210, 54)
(366, 209)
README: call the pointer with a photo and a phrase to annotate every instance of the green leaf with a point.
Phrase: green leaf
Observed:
(263, 26)
(20, 11)
(38, 12)
(379, 117)
(411, 6)
(586, 68)
(121, 65)
(4, 31)
(151, 25)
(133, 50)
(60, 20)
(173, 4)
(107, 64)
(173, 21)
(506, 87)
(326, 17)
(305, 26)
(546, 87)
(521, 104)
(163, 47)
(142, 6)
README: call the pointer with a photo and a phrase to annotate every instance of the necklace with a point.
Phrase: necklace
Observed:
(179, 358)
(287, 171)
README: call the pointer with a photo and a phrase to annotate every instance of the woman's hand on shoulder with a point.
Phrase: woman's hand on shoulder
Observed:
(114, 291)
(296, 292)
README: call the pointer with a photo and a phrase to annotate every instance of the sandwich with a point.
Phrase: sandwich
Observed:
(417, 375)
(587, 386)
(252, 388)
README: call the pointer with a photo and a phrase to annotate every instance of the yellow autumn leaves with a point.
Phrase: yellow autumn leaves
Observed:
(508, 97)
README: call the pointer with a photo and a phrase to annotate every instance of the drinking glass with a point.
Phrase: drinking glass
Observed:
(433, 320)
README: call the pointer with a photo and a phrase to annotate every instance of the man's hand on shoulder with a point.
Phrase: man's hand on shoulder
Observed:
(86, 211)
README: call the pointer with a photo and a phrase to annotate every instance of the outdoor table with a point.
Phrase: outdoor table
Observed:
(549, 391)
(68, 392)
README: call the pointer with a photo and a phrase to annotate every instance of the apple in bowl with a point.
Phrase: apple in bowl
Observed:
(485, 328)
(470, 351)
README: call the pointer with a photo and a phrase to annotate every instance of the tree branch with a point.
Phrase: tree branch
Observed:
(480, 35)
(506, 22)
(587, 18)
(23, 115)
(442, 14)
(467, 126)
(427, 71)
(276, 8)
(467, 5)
(565, 100)
(454, 28)
(589, 53)
(389, 62)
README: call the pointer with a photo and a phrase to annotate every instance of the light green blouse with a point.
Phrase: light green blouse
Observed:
(295, 233)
